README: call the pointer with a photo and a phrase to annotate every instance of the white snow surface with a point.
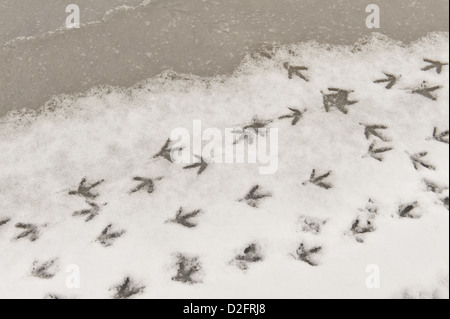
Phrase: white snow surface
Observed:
(111, 134)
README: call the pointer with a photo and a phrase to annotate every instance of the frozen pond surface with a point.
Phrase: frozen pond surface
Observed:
(193, 36)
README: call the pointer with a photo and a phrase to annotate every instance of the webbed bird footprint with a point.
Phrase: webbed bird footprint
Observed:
(418, 162)
(373, 130)
(408, 211)
(434, 65)
(311, 224)
(308, 255)
(319, 180)
(184, 219)
(187, 270)
(201, 165)
(45, 270)
(248, 132)
(146, 184)
(391, 80)
(439, 190)
(295, 116)
(377, 153)
(440, 136)
(364, 223)
(4, 221)
(295, 71)
(127, 289)
(426, 91)
(84, 189)
(252, 254)
(89, 213)
(337, 99)
(107, 237)
(166, 151)
(30, 231)
(254, 197)
(434, 187)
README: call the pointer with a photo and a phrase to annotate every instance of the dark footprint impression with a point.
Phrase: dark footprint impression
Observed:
(338, 99)
(311, 224)
(434, 65)
(377, 153)
(295, 71)
(319, 180)
(254, 197)
(295, 116)
(166, 151)
(391, 80)
(30, 231)
(89, 213)
(418, 162)
(408, 211)
(440, 136)
(107, 237)
(202, 165)
(4, 221)
(146, 184)
(439, 190)
(433, 187)
(307, 255)
(248, 132)
(426, 91)
(364, 223)
(184, 219)
(127, 289)
(188, 270)
(44, 270)
(266, 51)
(373, 130)
(252, 254)
(54, 297)
(445, 202)
(84, 189)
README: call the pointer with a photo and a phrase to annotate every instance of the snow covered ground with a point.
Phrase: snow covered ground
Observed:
(362, 183)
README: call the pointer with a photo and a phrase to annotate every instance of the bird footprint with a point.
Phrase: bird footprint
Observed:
(319, 180)
(252, 254)
(31, 231)
(254, 197)
(127, 289)
(146, 184)
(391, 80)
(89, 213)
(417, 160)
(295, 116)
(188, 270)
(338, 99)
(377, 153)
(43, 270)
(408, 211)
(308, 255)
(84, 189)
(311, 224)
(184, 218)
(107, 237)
(295, 71)
(434, 65)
